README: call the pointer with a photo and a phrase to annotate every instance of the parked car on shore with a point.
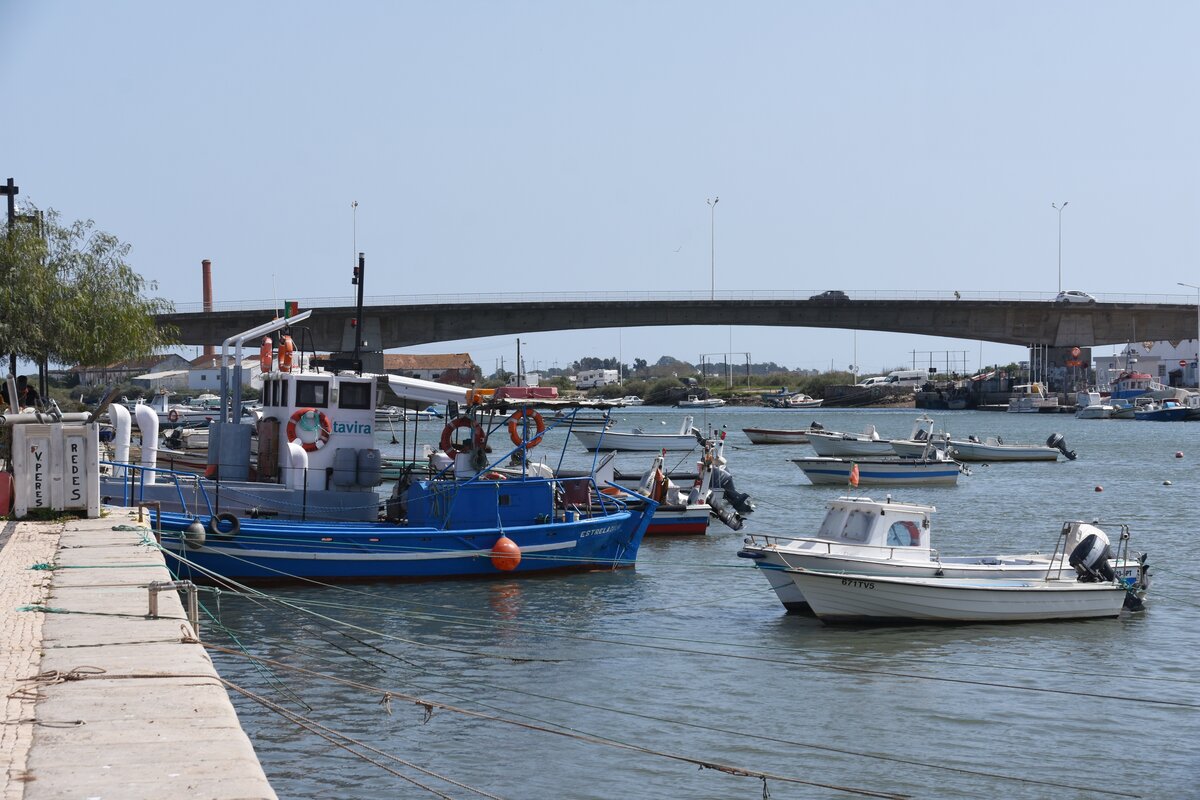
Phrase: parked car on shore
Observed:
(832, 294)
(1074, 296)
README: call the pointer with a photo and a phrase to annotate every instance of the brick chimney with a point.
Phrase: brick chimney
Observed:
(206, 268)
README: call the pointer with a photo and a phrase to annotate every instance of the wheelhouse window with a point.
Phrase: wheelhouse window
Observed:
(355, 395)
(858, 527)
(312, 393)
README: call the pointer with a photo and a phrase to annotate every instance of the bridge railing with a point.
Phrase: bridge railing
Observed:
(347, 301)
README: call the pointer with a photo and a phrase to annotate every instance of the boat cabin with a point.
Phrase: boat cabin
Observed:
(322, 423)
(893, 530)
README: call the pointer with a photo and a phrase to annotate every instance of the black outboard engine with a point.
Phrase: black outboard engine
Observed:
(724, 512)
(816, 426)
(1090, 559)
(721, 479)
(1057, 441)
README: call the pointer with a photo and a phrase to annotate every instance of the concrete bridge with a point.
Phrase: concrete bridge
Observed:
(400, 322)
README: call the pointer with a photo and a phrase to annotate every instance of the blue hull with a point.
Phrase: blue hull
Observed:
(1162, 415)
(287, 550)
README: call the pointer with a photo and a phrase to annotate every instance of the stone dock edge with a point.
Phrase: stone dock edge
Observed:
(100, 700)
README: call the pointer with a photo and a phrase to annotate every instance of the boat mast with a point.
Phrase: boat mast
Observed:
(358, 316)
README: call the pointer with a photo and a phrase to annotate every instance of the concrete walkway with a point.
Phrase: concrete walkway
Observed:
(102, 703)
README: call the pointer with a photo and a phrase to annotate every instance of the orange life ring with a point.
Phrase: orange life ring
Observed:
(515, 434)
(173, 415)
(264, 354)
(324, 428)
(478, 437)
(286, 348)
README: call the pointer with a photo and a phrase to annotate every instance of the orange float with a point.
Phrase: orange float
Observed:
(286, 348)
(265, 353)
(506, 555)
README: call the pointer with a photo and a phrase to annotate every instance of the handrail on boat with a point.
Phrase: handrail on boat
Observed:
(137, 477)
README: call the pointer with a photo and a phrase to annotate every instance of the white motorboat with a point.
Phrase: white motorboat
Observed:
(172, 415)
(935, 469)
(687, 438)
(1090, 405)
(801, 400)
(1031, 398)
(394, 414)
(777, 435)
(996, 449)
(686, 509)
(888, 538)
(693, 401)
(855, 597)
(838, 444)
(919, 439)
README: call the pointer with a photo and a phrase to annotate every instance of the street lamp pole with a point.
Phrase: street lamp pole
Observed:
(712, 246)
(1197, 288)
(1060, 210)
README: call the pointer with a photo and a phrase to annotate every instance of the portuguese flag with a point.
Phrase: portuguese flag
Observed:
(291, 308)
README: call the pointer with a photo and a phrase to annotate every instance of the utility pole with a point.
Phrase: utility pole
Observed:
(11, 189)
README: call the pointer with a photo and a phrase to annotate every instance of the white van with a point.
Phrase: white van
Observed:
(907, 377)
(878, 380)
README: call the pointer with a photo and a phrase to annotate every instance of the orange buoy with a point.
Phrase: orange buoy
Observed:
(505, 554)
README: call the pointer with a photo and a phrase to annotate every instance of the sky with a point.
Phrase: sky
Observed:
(542, 147)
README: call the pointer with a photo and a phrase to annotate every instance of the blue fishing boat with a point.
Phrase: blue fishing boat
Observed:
(450, 529)
(1162, 411)
(307, 507)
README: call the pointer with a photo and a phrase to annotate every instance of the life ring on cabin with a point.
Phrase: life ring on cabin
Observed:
(478, 436)
(173, 415)
(264, 354)
(514, 432)
(324, 428)
(230, 520)
(286, 348)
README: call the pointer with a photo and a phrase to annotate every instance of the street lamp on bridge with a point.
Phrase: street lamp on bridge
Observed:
(1059, 208)
(712, 246)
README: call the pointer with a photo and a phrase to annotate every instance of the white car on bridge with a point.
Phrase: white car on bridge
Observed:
(1074, 296)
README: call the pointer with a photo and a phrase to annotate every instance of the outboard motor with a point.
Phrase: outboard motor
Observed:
(725, 512)
(1057, 441)
(721, 479)
(816, 426)
(1090, 560)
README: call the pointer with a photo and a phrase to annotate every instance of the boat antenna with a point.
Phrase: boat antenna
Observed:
(358, 316)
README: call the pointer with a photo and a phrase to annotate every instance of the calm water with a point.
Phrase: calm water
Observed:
(692, 655)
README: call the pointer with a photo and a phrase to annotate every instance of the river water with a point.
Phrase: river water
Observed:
(690, 658)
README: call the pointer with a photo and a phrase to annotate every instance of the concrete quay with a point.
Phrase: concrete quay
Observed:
(102, 702)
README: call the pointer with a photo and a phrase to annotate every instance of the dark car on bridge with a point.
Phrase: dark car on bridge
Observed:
(832, 294)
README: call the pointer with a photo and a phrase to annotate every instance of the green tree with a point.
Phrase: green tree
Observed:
(70, 297)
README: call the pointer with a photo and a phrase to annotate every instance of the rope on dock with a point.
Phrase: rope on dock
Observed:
(429, 705)
(343, 741)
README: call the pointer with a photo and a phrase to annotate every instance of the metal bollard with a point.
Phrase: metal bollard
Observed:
(193, 602)
(157, 526)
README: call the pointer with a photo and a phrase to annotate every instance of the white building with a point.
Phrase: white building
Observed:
(1171, 363)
